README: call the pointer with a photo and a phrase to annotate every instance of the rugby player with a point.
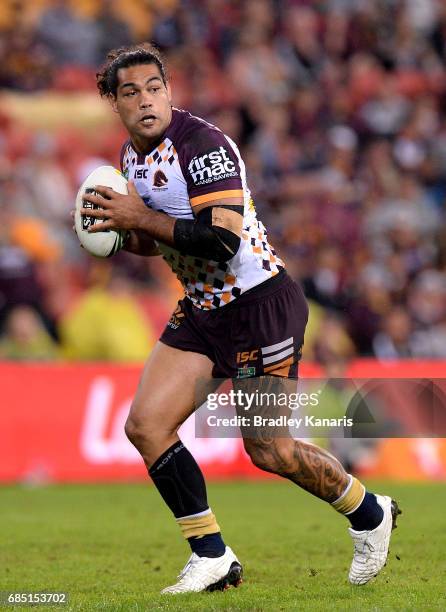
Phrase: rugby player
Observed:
(189, 200)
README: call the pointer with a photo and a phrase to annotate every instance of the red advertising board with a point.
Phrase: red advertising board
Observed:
(65, 423)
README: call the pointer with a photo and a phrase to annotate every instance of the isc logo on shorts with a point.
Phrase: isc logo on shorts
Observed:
(244, 356)
(214, 165)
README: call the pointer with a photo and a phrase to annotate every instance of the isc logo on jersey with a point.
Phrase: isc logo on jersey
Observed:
(141, 173)
(214, 165)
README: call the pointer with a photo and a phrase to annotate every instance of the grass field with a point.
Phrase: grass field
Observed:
(113, 547)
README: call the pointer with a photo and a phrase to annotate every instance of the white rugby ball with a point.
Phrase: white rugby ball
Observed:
(109, 242)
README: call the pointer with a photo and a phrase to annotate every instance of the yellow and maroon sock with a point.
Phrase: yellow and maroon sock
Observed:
(203, 534)
(359, 506)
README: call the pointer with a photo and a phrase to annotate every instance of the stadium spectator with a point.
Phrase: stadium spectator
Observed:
(112, 31)
(394, 341)
(25, 337)
(68, 38)
(106, 323)
(22, 245)
(26, 65)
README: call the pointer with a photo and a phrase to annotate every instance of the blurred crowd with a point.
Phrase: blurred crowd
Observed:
(339, 108)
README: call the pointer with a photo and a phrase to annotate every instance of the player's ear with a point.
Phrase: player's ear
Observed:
(113, 102)
(169, 92)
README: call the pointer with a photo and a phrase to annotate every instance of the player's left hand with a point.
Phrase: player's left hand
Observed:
(120, 212)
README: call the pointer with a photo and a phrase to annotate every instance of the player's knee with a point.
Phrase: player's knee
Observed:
(260, 454)
(138, 433)
(132, 431)
(148, 433)
(274, 456)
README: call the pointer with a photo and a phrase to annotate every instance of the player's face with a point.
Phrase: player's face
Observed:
(143, 102)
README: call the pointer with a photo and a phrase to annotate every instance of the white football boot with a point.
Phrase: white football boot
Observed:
(208, 574)
(371, 547)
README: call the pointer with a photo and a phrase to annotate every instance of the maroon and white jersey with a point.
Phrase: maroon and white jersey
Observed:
(196, 164)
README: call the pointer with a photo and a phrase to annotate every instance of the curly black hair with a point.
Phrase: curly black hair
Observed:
(143, 53)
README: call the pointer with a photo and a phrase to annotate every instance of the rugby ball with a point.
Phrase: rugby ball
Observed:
(109, 242)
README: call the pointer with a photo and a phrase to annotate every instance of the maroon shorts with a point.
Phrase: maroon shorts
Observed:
(259, 334)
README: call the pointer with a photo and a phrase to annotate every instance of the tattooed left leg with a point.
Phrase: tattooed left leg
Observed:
(318, 472)
(314, 469)
(307, 465)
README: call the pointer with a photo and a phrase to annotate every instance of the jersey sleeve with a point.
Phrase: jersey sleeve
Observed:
(210, 166)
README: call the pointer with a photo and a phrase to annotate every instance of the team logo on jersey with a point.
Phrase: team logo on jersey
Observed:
(160, 180)
(215, 165)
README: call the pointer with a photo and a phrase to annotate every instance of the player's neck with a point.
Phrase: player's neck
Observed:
(143, 146)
